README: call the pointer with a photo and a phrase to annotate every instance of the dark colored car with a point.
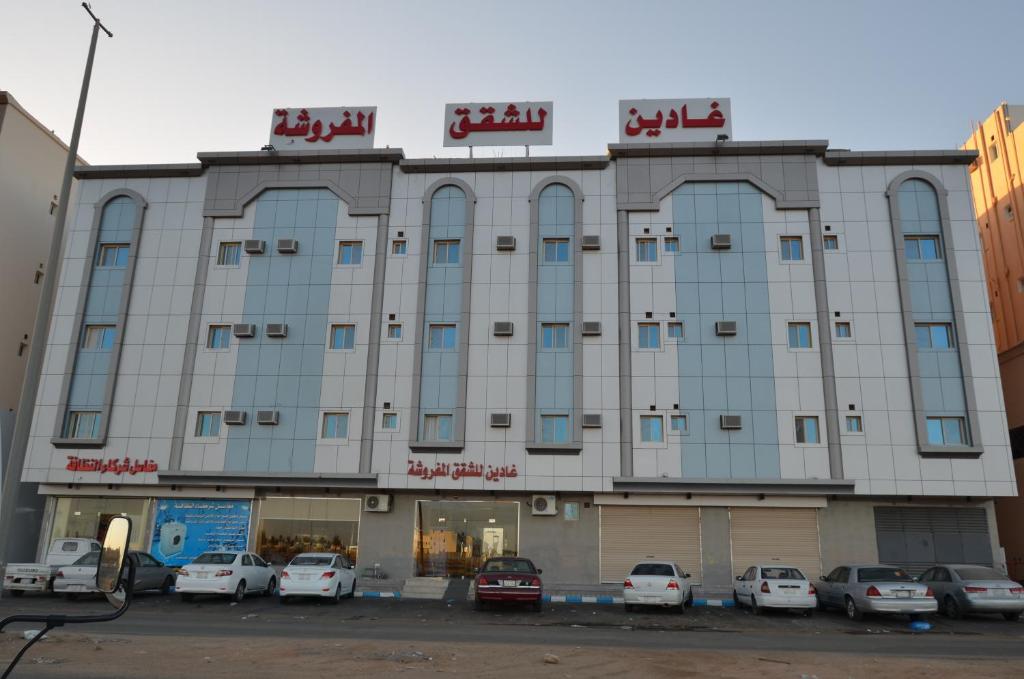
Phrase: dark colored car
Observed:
(509, 579)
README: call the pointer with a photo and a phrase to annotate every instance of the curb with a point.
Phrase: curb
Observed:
(378, 595)
(614, 600)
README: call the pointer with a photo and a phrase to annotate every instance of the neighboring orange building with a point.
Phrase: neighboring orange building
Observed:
(997, 184)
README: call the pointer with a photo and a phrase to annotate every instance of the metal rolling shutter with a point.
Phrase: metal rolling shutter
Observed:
(775, 535)
(916, 538)
(632, 534)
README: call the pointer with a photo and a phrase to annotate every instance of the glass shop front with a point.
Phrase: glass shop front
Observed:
(454, 538)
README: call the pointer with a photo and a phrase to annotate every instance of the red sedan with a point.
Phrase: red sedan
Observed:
(509, 579)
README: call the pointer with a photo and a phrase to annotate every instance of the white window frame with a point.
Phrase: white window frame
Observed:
(964, 431)
(436, 417)
(664, 245)
(446, 243)
(678, 432)
(568, 426)
(199, 420)
(668, 328)
(786, 237)
(387, 330)
(103, 329)
(835, 331)
(398, 422)
(846, 424)
(833, 237)
(395, 242)
(330, 337)
(554, 335)
(636, 250)
(341, 249)
(645, 324)
(442, 348)
(638, 436)
(810, 334)
(324, 414)
(209, 336)
(103, 247)
(556, 241)
(220, 251)
(918, 237)
(817, 428)
(74, 417)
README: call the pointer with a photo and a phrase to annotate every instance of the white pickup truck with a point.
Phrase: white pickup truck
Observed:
(38, 577)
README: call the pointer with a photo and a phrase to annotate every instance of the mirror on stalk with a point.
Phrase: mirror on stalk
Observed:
(115, 548)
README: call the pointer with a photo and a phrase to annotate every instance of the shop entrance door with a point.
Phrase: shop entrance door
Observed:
(454, 538)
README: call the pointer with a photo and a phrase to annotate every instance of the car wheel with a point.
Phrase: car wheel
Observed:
(337, 595)
(681, 609)
(735, 599)
(754, 608)
(478, 605)
(352, 592)
(538, 606)
(165, 588)
(185, 598)
(852, 612)
(271, 587)
(1012, 617)
(821, 605)
(951, 608)
(239, 592)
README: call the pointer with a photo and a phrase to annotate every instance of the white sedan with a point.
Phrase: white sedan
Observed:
(319, 574)
(657, 583)
(775, 586)
(231, 574)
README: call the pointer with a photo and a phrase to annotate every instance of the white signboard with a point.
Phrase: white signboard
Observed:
(650, 121)
(517, 123)
(322, 129)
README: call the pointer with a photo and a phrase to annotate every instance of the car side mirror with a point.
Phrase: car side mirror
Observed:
(539, 571)
(739, 578)
(686, 576)
(112, 556)
(824, 578)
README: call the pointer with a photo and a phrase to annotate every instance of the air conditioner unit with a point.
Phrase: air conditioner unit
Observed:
(730, 421)
(591, 243)
(503, 328)
(234, 417)
(254, 247)
(267, 416)
(244, 329)
(288, 246)
(544, 505)
(506, 243)
(501, 419)
(725, 328)
(591, 420)
(277, 329)
(721, 241)
(591, 327)
(378, 503)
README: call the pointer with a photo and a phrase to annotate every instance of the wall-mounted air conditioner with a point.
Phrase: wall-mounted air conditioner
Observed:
(544, 505)
(591, 328)
(503, 328)
(234, 417)
(591, 420)
(721, 241)
(501, 419)
(725, 328)
(277, 329)
(244, 329)
(378, 503)
(287, 246)
(591, 243)
(730, 421)
(506, 243)
(267, 416)
(254, 247)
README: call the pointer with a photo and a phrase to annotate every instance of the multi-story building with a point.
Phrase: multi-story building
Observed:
(719, 353)
(996, 184)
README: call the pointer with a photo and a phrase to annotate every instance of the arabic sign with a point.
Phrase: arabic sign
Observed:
(322, 129)
(184, 529)
(461, 470)
(518, 123)
(124, 466)
(650, 121)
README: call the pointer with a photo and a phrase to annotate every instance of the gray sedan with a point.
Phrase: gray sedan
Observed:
(875, 589)
(962, 588)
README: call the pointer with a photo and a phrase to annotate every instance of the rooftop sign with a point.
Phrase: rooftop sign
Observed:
(323, 129)
(518, 123)
(652, 121)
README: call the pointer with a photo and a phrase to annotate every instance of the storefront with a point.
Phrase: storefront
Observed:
(287, 526)
(454, 537)
(88, 517)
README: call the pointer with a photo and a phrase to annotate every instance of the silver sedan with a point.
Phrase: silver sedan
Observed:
(962, 588)
(875, 589)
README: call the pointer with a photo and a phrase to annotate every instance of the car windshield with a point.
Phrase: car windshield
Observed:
(509, 566)
(218, 558)
(90, 559)
(883, 575)
(781, 574)
(312, 561)
(653, 569)
(979, 573)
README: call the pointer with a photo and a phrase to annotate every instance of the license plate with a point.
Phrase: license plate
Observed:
(509, 583)
(202, 576)
(902, 593)
(303, 576)
(76, 588)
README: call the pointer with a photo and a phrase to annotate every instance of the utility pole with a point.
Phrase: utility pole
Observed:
(41, 329)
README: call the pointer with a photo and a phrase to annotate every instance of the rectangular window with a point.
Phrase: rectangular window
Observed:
(207, 424)
(399, 247)
(437, 427)
(218, 337)
(647, 249)
(799, 335)
(350, 253)
(556, 250)
(343, 336)
(98, 337)
(934, 335)
(335, 426)
(83, 424)
(792, 248)
(946, 431)
(229, 254)
(554, 428)
(112, 255)
(844, 330)
(675, 330)
(671, 245)
(555, 335)
(806, 429)
(679, 424)
(650, 336)
(831, 242)
(446, 252)
(651, 429)
(854, 424)
(921, 247)
(389, 421)
(394, 331)
(441, 337)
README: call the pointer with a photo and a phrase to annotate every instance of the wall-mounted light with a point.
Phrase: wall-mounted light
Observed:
(268, 148)
(722, 137)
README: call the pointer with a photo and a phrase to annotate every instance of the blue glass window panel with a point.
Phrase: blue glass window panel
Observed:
(437, 427)
(112, 255)
(83, 425)
(350, 253)
(675, 330)
(792, 249)
(556, 250)
(647, 250)
(942, 336)
(843, 330)
(229, 254)
(679, 423)
(208, 424)
(800, 335)
(390, 421)
(651, 429)
(953, 431)
(399, 247)
(343, 337)
(806, 430)
(335, 426)
(554, 428)
(650, 337)
(220, 337)
(555, 336)
(446, 252)
(672, 245)
(441, 338)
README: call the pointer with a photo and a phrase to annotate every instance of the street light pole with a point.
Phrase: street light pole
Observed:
(41, 329)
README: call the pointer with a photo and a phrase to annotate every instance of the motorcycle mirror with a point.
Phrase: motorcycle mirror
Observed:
(112, 556)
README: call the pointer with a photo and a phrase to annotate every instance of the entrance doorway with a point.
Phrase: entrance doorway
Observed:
(454, 537)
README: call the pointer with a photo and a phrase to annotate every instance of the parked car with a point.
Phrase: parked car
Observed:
(775, 586)
(508, 579)
(38, 577)
(962, 589)
(80, 577)
(657, 583)
(875, 589)
(319, 574)
(231, 574)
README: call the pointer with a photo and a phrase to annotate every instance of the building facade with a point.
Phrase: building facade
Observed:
(995, 181)
(719, 353)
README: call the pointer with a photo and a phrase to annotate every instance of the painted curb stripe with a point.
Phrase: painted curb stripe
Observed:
(379, 595)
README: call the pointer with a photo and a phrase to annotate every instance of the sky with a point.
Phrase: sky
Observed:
(187, 76)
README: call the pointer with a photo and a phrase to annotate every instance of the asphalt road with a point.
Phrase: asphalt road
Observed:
(559, 624)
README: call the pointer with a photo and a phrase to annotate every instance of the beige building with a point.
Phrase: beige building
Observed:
(997, 185)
